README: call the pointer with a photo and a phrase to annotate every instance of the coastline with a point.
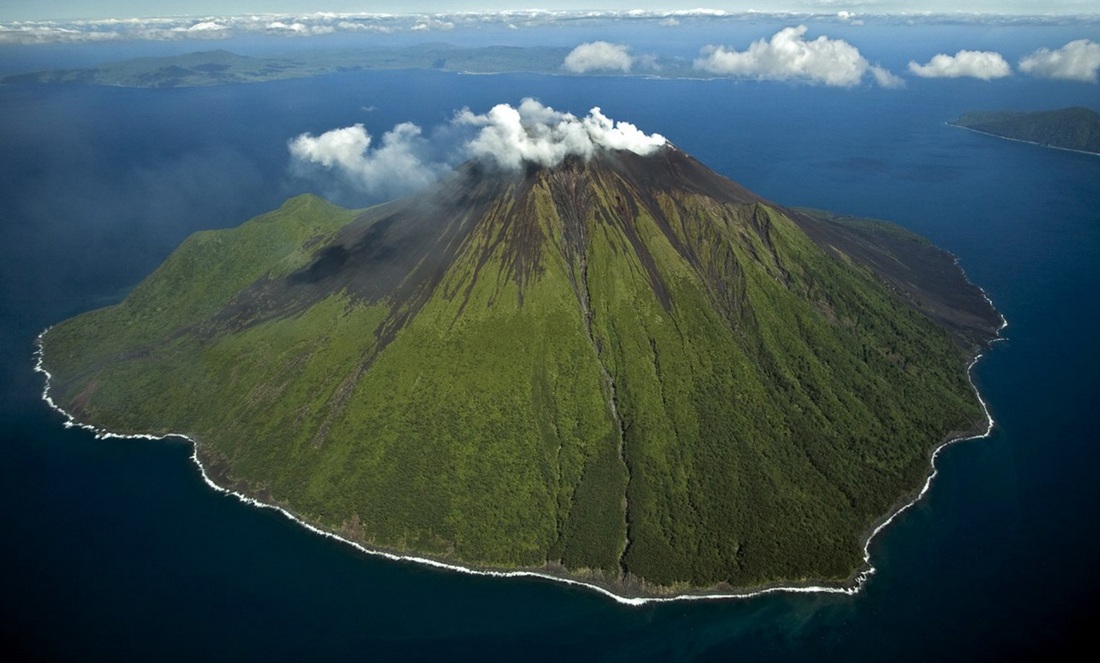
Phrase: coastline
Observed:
(850, 587)
(1020, 140)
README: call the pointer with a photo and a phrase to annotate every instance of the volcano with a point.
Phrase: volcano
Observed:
(625, 369)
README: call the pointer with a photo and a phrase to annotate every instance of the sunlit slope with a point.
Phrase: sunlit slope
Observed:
(630, 368)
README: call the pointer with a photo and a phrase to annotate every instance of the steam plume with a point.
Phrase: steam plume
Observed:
(541, 135)
(506, 136)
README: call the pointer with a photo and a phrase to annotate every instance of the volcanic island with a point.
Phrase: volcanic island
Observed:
(620, 369)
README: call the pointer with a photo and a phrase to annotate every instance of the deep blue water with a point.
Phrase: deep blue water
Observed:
(116, 549)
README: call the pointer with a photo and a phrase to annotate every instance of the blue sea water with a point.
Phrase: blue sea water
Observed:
(116, 549)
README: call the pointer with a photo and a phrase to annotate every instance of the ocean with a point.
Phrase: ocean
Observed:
(117, 549)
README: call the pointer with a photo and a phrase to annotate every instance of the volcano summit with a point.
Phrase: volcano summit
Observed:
(621, 368)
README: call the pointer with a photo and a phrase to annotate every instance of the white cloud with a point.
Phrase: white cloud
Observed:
(535, 133)
(163, 28)
(789, 56)
(509, 137)
(885, 78)
(397, 166)
(848, 16)
(985, 65)
(430, 24)
(290, 27)
(647, 61)
(300, 28)
(358, 26)
(1076, 61)
(203, 26)
(598, 55)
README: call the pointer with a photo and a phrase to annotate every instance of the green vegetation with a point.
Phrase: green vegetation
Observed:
(1070, 128)
(630, 368)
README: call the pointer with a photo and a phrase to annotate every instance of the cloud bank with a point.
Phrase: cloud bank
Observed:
(322, 23)
(506, 136)
(788, 56)
(986, 65)
(598, 56)
(1076, 61)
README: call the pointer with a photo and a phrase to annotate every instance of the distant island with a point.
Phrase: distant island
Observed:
(1069, 128)
(221, 67)
(622, 370)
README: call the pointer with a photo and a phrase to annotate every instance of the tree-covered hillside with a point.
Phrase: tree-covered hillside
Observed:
(629, 370)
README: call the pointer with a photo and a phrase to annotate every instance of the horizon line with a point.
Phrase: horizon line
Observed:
(580, 13)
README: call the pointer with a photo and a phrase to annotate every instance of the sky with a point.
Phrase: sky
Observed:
(98, 9)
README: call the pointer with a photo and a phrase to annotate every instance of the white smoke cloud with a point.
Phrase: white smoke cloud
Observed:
(1076, 61)
(598, 55)
(986, 65)
(506, 136)
(538, 134)
(789, 56)
(398, 165)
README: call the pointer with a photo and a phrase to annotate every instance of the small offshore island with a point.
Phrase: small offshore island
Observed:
(620, 369)
(1075, 128)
